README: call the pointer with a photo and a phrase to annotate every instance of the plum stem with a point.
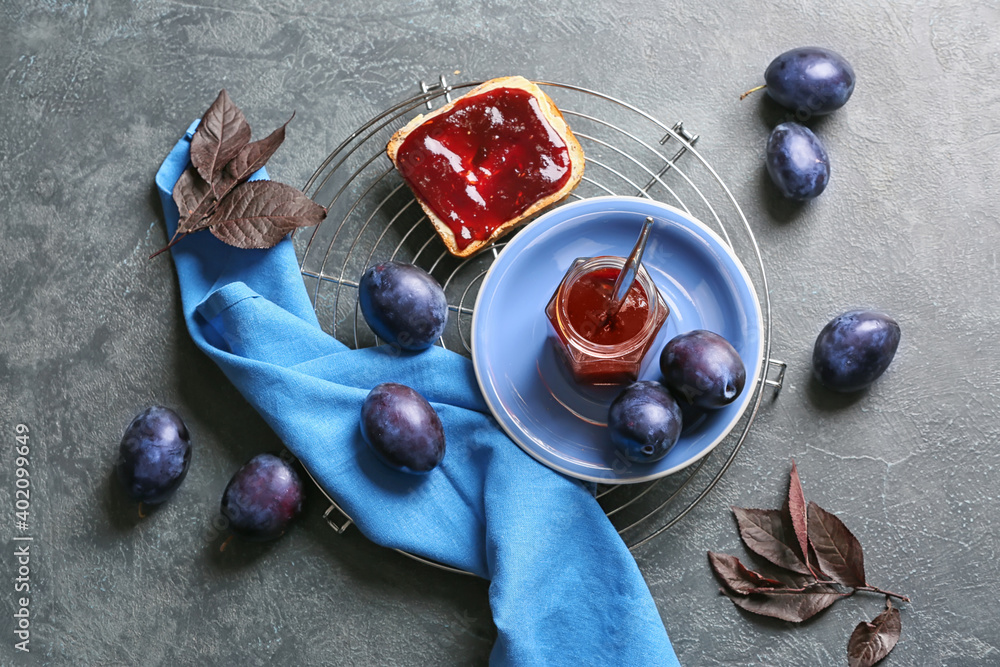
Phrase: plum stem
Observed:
(141, 515)
(225, 544)
(753, 90)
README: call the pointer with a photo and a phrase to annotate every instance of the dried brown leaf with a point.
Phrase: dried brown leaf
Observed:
(821, 561)
(223, 131)
(200, 217)
(255, 154)
(837, 551)
(189, 194)
(259, 214)
(769, 534)
(870, 642)
(737, 577)
(788, 605)
(248, 161)
(798, 512)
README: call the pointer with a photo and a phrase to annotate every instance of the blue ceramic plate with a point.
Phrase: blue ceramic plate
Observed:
(532, 395)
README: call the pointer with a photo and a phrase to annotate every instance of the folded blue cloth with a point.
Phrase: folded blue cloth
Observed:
(564, 588)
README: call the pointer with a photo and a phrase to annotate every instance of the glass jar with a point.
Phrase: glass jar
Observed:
(597, 351)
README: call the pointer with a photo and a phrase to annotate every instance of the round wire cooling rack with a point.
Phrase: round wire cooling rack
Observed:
(374, 217)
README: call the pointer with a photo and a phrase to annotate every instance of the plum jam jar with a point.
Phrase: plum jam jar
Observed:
(598, 349)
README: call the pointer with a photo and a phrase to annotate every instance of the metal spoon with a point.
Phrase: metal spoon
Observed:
(627, 276)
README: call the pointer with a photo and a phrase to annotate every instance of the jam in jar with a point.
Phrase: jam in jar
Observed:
(598, 349)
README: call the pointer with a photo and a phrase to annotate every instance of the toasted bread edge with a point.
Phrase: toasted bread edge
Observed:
(552, 114)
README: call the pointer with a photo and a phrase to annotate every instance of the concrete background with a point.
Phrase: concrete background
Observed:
(93, 95)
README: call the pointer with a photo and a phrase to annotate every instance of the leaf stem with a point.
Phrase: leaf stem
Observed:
(876, 589)
(870, 589)
(176, 238)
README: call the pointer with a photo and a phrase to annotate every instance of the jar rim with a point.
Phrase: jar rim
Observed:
(583, 265)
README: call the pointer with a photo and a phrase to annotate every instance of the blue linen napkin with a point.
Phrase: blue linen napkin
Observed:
(564, 588)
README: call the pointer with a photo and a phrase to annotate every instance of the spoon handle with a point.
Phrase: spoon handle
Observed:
(627, 276)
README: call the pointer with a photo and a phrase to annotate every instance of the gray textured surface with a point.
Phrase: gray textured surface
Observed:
(93, 94)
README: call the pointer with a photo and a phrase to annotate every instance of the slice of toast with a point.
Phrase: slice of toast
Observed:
(485, 218)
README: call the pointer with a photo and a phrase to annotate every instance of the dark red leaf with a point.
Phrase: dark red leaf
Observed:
(767, 533)
(258, 214)
(255, 155)
(199, 218)
(251, 157)
(736, 577)
(797, 511)
(189, 194)
(788, 605)
(223, 131)
(795, 580)
(870, 642)
(838, 552)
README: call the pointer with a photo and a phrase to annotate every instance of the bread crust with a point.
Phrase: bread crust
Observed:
(555, 118)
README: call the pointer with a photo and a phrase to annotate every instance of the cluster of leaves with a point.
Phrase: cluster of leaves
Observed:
(821, 561)
(214, 192)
